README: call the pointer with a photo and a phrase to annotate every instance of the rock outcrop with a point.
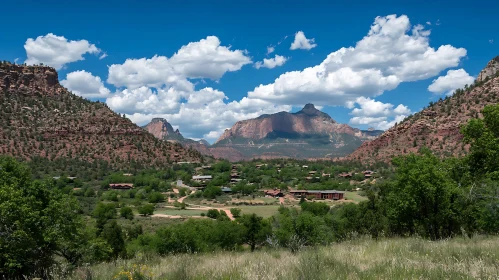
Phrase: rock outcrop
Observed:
(490, 71)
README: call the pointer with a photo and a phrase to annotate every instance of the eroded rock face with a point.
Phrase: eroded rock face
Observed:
(490, 70)
(436, 127)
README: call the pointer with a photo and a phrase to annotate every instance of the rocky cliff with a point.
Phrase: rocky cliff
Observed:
(438, 125)
(42, 118)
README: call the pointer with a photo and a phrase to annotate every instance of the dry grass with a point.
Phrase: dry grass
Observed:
(411, 258)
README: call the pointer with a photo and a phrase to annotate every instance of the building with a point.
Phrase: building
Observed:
(235, 180)
(312, 173)
(128, 174)
(180, 183)
(345, 175)
(121, 186)
(226, 190)
(201, 178)
(325, 194)
(274, 193)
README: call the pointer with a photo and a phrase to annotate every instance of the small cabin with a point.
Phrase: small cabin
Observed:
(121, 186)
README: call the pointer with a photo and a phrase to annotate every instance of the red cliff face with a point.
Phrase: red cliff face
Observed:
(438, 126)
(160, 128)
(307, 121)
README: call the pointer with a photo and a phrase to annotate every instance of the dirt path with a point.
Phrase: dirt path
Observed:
(281, 200)
(175, 190)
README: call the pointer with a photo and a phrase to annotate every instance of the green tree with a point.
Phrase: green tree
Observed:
(102, 213)
(37, 223)
(156, 197)
(146, 209)
(255, 229)
(126, 212)
(236, 212)
(113, 235)
(422, 198)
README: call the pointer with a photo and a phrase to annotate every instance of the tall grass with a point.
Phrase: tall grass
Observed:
(365, 258)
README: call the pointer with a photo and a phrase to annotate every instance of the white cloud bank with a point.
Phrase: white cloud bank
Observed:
(453, 80)
(270, 63)
(57, 51)
(391, 53)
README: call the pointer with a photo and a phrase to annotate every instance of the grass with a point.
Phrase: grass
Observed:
(148, 224)
(365, 258)
(261, 210)
(355, 196)
(185, 212)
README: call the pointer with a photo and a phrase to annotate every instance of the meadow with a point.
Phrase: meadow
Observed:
(362, 258)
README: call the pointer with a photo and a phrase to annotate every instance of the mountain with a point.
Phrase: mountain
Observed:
(437, 126)
(163, 130)
(308, 133)
(40, 118)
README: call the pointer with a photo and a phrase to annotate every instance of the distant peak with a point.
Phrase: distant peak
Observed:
(309, 106)
(159, 120)
(311, 111)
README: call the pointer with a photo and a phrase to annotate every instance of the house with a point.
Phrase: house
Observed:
(226, 190)
(368, 173)
(323, 194)
(201, 178)
(235, 181)
(312, 172)
(72, 178)
(345, 175)
(274, 193)
(180, 183)
(128, 174)
(121, 186)
(234, 175)
(305, 166)
(326, 175)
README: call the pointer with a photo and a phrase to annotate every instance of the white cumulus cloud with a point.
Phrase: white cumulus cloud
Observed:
(57, 51)
(85, 84)
(203, 59)
(301, 42)
(270, 63)
(377, 114)
(392, 52)
(453, 80)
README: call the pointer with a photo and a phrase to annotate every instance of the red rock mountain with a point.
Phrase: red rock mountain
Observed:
(41, 118)
(163, 130)
(438, 125)
(308, 133)
(307, 121)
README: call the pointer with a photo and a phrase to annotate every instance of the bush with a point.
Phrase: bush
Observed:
(236, 212)
(156, 197)
(126, 212)
(213, 213)
(146, 209)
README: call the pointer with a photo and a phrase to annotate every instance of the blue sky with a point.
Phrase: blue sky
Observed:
(204, 94)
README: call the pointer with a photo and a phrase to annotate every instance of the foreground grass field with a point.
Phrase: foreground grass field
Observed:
(398, 258)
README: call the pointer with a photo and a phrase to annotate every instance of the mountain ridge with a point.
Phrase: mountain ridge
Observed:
(46, 120)
(438, 125)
